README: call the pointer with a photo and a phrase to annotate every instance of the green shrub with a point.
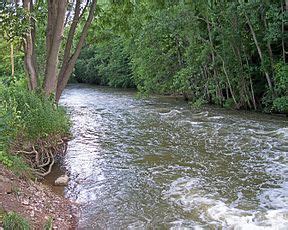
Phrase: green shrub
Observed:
(32, 115)
(280, 104)
(229, 103)
(198, 103)
(106, 63)
(5, 159)
(13, 221)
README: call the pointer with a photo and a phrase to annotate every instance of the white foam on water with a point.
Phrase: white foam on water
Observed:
(173, 112)
(283, 131)
(136, 226)
(278, 218)
(227, 216)
(180, 225)
(193, 123)
(187, 193)
(276, 198)
(215, 118)
(202, 114)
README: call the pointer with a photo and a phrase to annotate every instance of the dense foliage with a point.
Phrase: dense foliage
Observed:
(229, 53)
(106, 63)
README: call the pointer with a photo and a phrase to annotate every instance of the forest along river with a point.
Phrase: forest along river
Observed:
(157, 163)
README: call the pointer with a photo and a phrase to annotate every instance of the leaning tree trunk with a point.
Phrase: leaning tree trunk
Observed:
(268, 79)
(70, 60)
(29, 51)
(55, 26)
(12, 60)
(268, 43)
(283, 29)
(55, 82)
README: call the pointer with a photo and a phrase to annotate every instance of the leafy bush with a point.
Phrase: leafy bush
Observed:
(5, 159)
(229, 103)
(280, 104)
(160, 49)
(281, 78)
(198, 103)
(106, 63)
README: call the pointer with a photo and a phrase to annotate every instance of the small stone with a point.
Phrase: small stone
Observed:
(5, 187)
(25, 202)
(32, 214)
(4, 179)
(62, 180)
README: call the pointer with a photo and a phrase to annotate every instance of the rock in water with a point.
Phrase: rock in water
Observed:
(62, 180)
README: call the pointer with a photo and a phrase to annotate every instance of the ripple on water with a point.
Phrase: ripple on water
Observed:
(157, 163)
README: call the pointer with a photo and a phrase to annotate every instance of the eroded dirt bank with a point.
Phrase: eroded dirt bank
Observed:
(35, 201)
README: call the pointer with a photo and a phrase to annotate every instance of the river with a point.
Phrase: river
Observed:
(157, 163)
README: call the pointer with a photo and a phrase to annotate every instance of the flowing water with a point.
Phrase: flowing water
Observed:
(158, 164)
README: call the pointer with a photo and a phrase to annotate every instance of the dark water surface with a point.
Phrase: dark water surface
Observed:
(158, 164)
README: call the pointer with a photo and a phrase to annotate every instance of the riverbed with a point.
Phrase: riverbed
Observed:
(157, 163)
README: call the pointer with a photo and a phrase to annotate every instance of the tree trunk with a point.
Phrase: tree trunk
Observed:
(33, 36)
(12, 60)
(229, 83)
(212, 45)
(55, 27)
(269, 46)
(69, 63)
(29, 53)
(268, 79)
(250, 80)
(283, 31)
(69, 42)
(252, 94)
(224, 70)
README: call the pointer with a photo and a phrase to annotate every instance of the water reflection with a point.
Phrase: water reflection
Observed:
(157, 163)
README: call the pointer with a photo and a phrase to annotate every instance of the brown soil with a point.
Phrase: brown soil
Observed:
(35, 202)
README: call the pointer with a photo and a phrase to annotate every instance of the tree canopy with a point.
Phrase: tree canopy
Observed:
(228, 53)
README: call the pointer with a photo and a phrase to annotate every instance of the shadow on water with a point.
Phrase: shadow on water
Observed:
(157, 163)
(50, 179)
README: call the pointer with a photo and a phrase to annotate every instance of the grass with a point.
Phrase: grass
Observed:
(49, 224)
(14, 221)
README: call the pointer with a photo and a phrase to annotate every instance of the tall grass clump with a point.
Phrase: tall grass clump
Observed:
(35, 116)
(14, 221)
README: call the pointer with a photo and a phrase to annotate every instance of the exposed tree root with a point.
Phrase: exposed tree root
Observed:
(41, 154)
